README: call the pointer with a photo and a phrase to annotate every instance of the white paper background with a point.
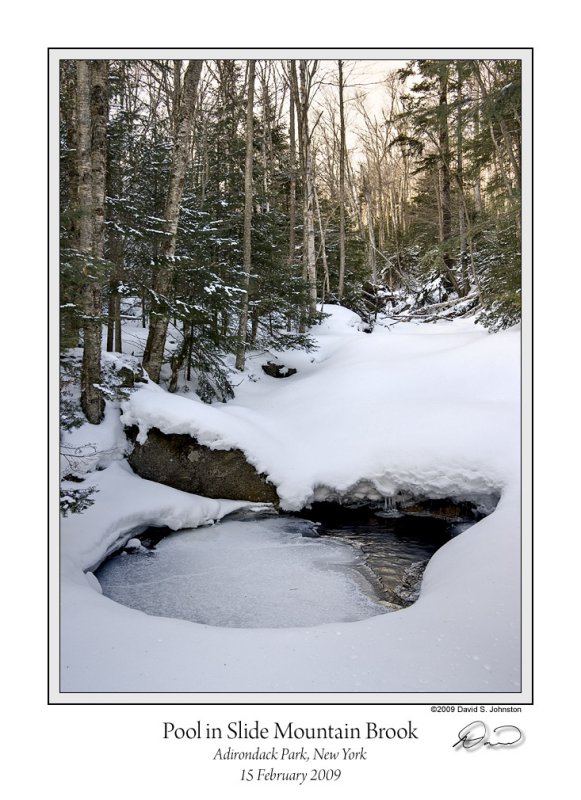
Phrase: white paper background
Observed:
(96, 751)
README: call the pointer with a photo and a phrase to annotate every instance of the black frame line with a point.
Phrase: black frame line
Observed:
(51, 702)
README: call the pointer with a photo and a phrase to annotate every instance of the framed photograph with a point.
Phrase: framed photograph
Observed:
(291, 387)
(294, 355)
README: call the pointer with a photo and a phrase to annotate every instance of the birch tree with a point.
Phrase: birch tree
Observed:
(302, 88)
(247, 244)
(164, 269)
(292, 200)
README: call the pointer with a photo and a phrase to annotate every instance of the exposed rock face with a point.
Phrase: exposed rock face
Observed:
(408, 591)
(444, 509)
(179, 461)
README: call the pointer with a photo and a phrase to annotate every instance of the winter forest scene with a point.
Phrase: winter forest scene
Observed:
(290, 375)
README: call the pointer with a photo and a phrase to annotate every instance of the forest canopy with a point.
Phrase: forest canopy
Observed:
(221, 203)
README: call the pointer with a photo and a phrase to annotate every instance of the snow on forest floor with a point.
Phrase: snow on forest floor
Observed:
(431, 410)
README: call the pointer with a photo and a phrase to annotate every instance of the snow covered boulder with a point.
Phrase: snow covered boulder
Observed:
(278, 370)
(130, 375)
(181, 462)
(133, 545)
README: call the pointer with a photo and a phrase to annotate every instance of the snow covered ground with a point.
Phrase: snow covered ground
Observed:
(429, 410)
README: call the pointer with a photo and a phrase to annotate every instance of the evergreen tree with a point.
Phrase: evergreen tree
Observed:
(464, 135)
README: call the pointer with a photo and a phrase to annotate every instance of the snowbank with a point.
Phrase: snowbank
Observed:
(125, 505)
(426, 409)
(429, 410)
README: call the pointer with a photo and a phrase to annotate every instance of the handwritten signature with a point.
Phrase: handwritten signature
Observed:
(477, 733)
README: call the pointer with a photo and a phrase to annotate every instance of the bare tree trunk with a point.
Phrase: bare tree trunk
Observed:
(84, 168)
(341, 185)
(371, 235)
(91, 160)
(70, 320)
(308, 197)
(292, 203)
(326, 281)
(460, 181)
(294, 86)
(177, 89)
(114, 338)
(438, 188)
(265, 145)
(514, 157)
(500, 165)
(356, 202)
(254, 320)
(162, 279)
(111, 318)
(302, 102)
(477, 182)
(309, 214)
(115, 256)
(445, 188)
(444, 164)
(242, 332)
(382, 218)
(118, 337)
(99, 113)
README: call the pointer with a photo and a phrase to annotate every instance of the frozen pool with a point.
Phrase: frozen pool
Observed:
(270, 573)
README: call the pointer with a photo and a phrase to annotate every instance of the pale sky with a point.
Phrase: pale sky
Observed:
(361, 77)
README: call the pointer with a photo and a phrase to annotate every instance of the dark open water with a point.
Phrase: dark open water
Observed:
(390, 541)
